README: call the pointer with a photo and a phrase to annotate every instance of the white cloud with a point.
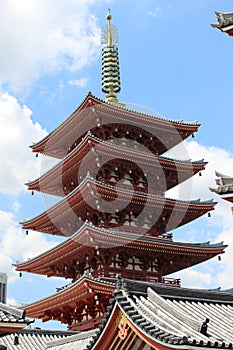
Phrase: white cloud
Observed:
(79, 82)
(217, 158)
(40, 36)
(17, 131)
(26, 247)
(195, 279)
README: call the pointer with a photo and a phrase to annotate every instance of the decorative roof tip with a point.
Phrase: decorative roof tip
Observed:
(111, 84)
(224, 19)
(109, 17)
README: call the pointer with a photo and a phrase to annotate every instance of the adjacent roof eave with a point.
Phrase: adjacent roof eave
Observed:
(108, 333)
(225, 22)
(131, 312)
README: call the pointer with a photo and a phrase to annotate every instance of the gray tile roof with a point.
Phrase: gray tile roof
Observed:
(176, 318)
(194, 295)
(12, 319)
(75, 342)
(224, 19)
(33, 339)
(224, 182)
(11, 314)
(169, 315)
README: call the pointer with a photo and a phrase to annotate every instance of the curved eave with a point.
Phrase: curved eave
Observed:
(75, 201)
(223, 190)
(64, 128)
(69, 296)
(228, 29)
(161, 325)
(39, 146)
(225, 22)
(134, 334)
(80, 241)
(54, 176)
(227, 196)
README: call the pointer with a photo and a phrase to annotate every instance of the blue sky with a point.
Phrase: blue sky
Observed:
(172, 61)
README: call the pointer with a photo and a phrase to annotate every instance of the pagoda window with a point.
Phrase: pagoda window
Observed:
(153, 267)
(138, 266)
(113, 263)
(113, 220)
(131, 263)
(117, 261)
(127, 182)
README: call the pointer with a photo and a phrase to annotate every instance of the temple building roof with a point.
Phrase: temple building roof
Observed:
(225, 186)
(225, 22)
(35, 339)
(165, 318)
(145, 314)
(75, 342)
(12, 319)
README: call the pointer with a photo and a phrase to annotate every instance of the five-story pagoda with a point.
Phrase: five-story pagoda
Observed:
(114, 215)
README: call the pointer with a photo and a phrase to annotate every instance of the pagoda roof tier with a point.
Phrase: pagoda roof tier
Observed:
(109, 206)
(111, 121)
(89, 246)
(100, 158)
(81, 304)
(225, 22)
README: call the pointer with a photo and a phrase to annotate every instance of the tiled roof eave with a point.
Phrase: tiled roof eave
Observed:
(72, 338)
(182, 293)
(202, 246)
(89, 136)
(129, 308)
(13, 311)
(208, 204)
(34, 145)
(118, 305)
(109, 105)
(67, 288)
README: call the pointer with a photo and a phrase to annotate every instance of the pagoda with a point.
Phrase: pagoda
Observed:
(113, 214)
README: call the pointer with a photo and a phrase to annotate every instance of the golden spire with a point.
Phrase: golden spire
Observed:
(109, 17)
(111, 84)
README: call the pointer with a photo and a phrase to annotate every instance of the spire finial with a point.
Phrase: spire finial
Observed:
(110, 62)
(109, 17)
